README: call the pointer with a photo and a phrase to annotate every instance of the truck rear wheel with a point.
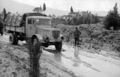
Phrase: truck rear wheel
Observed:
(13, 39)
(58, 46)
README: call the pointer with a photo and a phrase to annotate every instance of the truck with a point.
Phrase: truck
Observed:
(36, 27)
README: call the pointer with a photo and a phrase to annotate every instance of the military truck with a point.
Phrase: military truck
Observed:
(34, 26)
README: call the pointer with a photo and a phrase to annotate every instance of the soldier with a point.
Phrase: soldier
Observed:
(76, 39)
(77, 34)
(1, 27)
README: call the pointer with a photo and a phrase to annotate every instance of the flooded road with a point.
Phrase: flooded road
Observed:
(88, 64)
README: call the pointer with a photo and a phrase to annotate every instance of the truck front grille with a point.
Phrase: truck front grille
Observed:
(55, 34)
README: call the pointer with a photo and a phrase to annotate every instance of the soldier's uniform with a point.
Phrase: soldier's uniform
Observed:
(76, 36)
(1, 28)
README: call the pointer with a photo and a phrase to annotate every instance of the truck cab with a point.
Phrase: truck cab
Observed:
(38, 27)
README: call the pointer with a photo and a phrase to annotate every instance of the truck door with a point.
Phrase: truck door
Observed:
(30, 27)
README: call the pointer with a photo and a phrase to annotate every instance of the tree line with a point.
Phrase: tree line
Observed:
(77, 18)
(112, 20)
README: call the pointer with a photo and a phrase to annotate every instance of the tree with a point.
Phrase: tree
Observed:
(71, 10)
(4, 14)
(44, 7)
(38, 9)
(96, 19)
(115, 10)
(112, 19)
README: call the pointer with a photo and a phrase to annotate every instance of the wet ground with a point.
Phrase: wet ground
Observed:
(89, 64)
(66, 64)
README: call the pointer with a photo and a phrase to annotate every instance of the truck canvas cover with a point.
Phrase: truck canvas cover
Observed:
(18, 20)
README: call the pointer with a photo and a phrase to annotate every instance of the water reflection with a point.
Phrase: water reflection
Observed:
(76, 64)
(76, 55)
(57, 56)
(76, 52)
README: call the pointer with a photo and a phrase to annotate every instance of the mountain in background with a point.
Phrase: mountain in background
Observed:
(13, 6)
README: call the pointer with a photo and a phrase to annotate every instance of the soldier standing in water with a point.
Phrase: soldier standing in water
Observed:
(77, 34)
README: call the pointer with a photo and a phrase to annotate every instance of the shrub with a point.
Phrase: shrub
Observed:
(112, 20)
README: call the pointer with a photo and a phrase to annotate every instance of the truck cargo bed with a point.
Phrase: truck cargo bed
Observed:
(15, 29)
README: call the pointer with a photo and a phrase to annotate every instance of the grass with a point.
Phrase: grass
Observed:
(94, 36)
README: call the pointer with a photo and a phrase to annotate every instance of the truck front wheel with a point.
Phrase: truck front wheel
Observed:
(58, 46)
(13, 39)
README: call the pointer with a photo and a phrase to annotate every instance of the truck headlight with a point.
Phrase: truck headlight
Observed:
(62, 38)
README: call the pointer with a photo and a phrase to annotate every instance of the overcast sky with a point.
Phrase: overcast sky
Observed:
(91, 5)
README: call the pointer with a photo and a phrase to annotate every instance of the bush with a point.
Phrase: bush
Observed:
(112, 20)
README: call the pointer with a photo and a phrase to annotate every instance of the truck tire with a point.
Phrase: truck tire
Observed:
(58, 46)
(13, 39)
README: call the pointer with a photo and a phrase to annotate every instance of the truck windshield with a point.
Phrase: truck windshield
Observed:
(39, 21)
(42, 22)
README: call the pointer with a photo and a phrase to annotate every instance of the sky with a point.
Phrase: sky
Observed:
(81, 5)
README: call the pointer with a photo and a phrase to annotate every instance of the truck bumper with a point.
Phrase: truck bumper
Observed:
(50, 43)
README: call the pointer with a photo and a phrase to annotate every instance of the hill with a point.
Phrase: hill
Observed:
(21, 8)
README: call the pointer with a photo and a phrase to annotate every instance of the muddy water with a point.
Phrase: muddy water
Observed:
(89, 65)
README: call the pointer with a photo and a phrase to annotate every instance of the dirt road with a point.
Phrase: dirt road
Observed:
(60, 64)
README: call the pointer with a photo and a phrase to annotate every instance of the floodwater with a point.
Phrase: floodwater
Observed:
(87, 65)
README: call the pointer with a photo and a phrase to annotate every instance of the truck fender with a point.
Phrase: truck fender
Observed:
(38, 36)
